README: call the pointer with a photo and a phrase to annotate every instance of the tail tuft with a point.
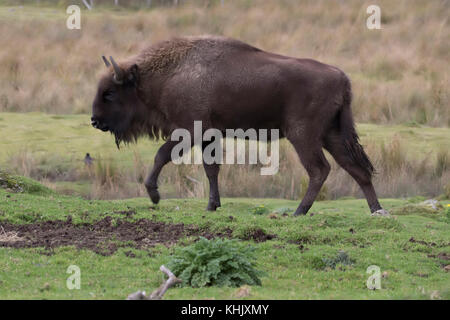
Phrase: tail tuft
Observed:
(351, 139)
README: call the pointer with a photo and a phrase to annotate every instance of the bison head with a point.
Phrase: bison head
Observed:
(116, 107)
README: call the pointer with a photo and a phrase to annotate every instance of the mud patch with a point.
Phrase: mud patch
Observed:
(443, 256)
(258, 235)
(440, 256)
(103, 237)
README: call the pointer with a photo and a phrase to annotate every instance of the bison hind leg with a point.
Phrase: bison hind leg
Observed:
(153, 193)
(312, 157)
(358, 169)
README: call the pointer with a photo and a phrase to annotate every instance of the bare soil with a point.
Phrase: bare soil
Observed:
(103, 237)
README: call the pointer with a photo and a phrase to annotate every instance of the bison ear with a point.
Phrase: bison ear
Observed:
(133, 74)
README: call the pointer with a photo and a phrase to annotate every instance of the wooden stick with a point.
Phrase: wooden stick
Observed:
(158, 293)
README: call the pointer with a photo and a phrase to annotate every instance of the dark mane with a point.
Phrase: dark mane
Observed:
(159, 58)
(155, 126)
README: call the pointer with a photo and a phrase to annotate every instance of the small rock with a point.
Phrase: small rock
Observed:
(242, 292)
(45, 287)
(435, 295)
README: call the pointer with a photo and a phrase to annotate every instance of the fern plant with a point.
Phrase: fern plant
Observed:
(218, 262)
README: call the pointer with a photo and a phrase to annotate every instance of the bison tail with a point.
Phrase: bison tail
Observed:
(350, 137)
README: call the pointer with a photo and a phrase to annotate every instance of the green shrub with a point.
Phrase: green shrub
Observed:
(218, 262)
(341, 258)
(331, 262)
(259, 210)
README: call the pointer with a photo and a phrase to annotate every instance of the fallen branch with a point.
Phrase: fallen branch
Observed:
(193, 179)
(158, 293)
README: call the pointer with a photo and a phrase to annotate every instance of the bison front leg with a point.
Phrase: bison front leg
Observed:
(212, 172)
(163, 156)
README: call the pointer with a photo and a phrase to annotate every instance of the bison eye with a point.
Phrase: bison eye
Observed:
(108, 96)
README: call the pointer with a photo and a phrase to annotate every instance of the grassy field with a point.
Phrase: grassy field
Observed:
(410, 159)
(71, 136)
(411, 248)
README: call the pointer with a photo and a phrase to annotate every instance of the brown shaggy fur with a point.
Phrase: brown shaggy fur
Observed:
(162, 57)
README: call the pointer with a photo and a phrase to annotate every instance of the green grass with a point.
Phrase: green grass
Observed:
(69, 137)
(22, 184)
(65, 137)
(293, 262)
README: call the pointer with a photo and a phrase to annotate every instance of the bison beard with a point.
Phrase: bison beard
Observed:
(130, 136)
(154, 129)
(228, 84)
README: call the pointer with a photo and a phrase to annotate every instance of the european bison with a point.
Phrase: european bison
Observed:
(226, 83)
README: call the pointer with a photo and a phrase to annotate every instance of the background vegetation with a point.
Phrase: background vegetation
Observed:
(398, 72)
(410, 160)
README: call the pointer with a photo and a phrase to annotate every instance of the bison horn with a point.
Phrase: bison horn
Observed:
(106, 61)
(118, 72)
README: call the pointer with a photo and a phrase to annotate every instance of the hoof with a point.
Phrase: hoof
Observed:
(299, 213)
(380, 213)
(212, 206)
(154, 195)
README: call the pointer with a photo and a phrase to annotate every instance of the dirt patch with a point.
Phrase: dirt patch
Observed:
(258, 235)
(428, 244)
(443, 256)
(103, 237)
(440, 256)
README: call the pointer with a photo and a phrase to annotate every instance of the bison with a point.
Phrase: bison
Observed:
(226, 83)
